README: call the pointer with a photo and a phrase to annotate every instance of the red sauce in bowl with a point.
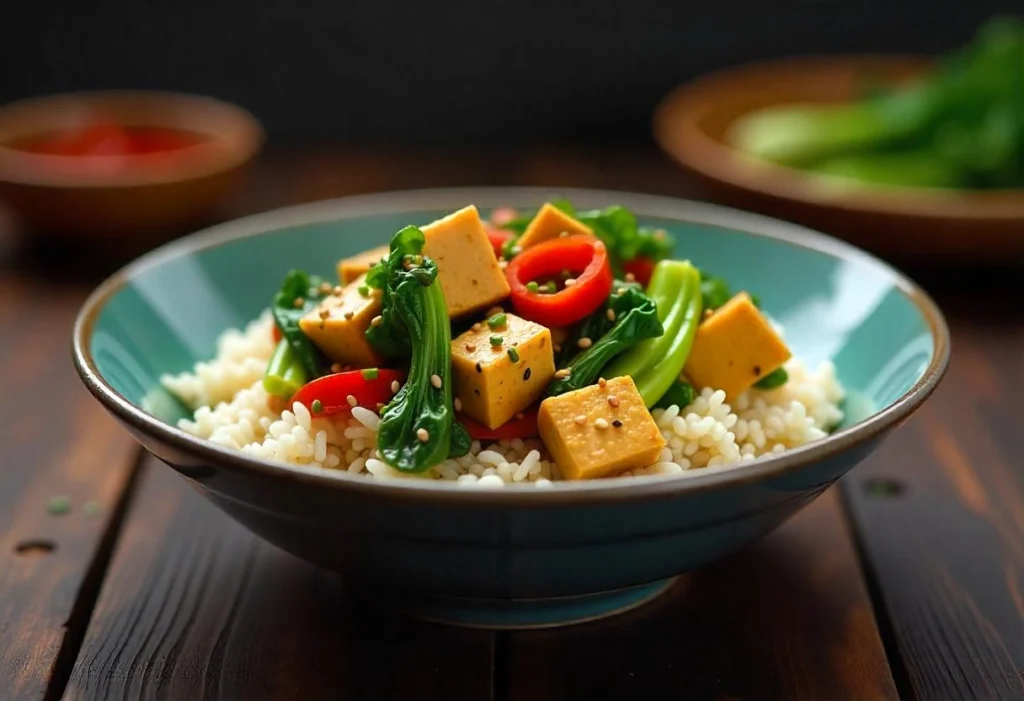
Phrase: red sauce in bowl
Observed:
(105, 139)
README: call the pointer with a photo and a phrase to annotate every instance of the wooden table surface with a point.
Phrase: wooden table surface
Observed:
(906, 581)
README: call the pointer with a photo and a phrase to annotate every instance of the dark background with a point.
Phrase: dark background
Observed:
(384, 72)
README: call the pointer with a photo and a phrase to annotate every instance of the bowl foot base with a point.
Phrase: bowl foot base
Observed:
(517, 614)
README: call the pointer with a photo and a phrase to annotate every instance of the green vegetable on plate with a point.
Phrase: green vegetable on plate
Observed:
(626, 318)
(655, 363)
(417, 428)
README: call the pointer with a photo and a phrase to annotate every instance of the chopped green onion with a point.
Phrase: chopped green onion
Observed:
(513, 355)
(551, 287)
(317, 406)
(497, 321)
(370, 373)
(58, 505)
(497, 341)
(91, 509)
(364, 291)
(532, 286)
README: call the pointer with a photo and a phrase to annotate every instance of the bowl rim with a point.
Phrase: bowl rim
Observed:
(675, 128)
(594, 491)
(234, 138)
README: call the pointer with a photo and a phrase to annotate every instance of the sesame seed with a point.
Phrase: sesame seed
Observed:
(376, 321)
(581, 419)
(516, 250)
(458, 404)
(395, 386)
(570, 281)
(584, 342)
(610, 314)
(502, 264)
(349, 315)
(477, 326)
(601, 423)
(338, 291)
(617, 424)
(630, 277)
(325, 288)
(299, 301)
(324, 313)
(563, 373)
(519, 416)
(563, 234)
(613, 400)
(602, 383)
(470, 347)
(436, 381)
(557, 347)
(494, 310)
(351, 400)
(423, 435)
(335, 367)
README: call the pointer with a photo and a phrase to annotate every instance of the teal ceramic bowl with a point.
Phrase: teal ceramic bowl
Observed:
(519, 556)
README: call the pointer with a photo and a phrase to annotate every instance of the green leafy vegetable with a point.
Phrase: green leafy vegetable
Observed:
(633, 318)
(299, 294)
(961, 125)
(773, 380)
(681, 393)
(654, 364)
(617, 228)
(596, 325)
(417, 428)
(285, 375)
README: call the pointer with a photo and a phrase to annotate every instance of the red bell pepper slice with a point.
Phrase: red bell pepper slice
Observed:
(333, 391)
(641, 267)
(584, 256)
(525, 427)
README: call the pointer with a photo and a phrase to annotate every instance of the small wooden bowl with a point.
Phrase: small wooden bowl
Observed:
(691, 125)
(56, 196)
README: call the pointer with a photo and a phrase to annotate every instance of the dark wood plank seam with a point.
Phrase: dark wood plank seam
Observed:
(88, 593)
(890, 643)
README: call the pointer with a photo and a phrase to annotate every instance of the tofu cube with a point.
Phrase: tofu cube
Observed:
(549, 223)
(599, 431)
(351, 268)
(734, 348)
(489, 383)
(466, 266)
(341, 334)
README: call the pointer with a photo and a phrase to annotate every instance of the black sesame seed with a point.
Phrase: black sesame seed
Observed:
(757, 370)
(479, 368)
(617, 424)
(526, 375)
(476, 392)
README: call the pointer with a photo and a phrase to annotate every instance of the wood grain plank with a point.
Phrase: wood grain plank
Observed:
(945, 535)
(57, 442)
(787, 618)
(196, 607)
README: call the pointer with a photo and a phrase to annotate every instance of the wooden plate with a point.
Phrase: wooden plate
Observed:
(691, 122)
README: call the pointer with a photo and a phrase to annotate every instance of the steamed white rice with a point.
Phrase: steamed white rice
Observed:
(232, 410)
